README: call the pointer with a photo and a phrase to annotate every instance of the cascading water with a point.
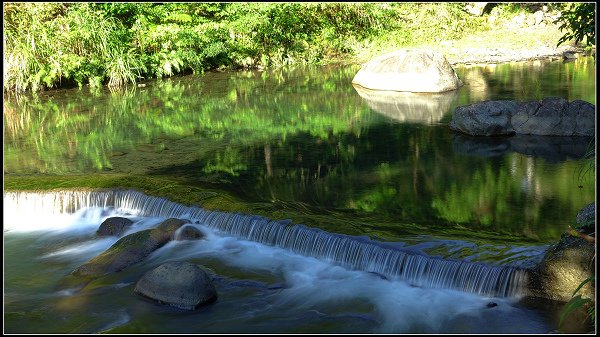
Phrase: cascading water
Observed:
(350, 252)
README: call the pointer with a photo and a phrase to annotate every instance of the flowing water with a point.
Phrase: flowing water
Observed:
(438, 225)
(281, 280)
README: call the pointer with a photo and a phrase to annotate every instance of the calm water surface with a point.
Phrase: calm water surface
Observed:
(307, 139)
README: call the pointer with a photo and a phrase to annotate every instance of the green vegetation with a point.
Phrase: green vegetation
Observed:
(118, 43)
(50, 45)
(578, 302)
(578, 19)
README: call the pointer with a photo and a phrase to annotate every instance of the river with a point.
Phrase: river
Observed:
(386, 167)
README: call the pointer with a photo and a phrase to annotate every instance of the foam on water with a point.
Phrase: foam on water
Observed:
(81, 250)
(308, 284)
(360, 253)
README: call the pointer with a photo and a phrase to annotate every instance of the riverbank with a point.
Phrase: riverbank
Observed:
(61, 45)
(508, 41)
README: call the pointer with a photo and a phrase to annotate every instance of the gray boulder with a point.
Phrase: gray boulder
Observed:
(554, 116)
(408, 70)
(180, 284)
(114, 226)
(489, 118)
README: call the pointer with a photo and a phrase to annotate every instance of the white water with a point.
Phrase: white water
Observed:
(305, 286)
(350, 252)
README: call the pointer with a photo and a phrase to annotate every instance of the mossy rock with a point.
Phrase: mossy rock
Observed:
(180, 284)
(130, 249)
(188, 233)
(564, 267)
(586, 218)
(114, 226)
(171, 225)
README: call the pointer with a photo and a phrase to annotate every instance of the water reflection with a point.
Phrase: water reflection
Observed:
(307, 136)
(552, 149)
(426, 108)
(531, 80)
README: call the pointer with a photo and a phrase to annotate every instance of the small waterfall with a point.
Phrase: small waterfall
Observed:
(347, 251)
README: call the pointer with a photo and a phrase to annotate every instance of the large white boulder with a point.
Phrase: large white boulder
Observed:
(409, 70)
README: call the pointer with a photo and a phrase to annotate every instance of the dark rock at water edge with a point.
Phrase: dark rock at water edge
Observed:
(180, 284)
(552, 116)
(564, 267)
(114, 226)
(555, 117)
(489, 118)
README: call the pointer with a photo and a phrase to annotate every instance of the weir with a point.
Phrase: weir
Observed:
(350, 252)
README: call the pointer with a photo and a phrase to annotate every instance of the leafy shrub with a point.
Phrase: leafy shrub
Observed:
(579, 22)
(49, 44)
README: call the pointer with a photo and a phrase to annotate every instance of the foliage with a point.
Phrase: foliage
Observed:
(63, 44)
(578, 302)
(589, 164)
(48, 43)
(579, 22)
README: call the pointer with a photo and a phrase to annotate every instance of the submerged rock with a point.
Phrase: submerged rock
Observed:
(130, 249)
(180, 284)
(408, 70)
(188, 233)
(114, 226)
